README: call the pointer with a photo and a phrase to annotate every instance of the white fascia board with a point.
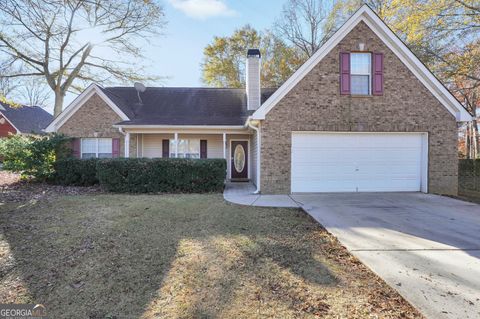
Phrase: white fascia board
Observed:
(393, 42)
(417, 67)
(221, 127)
(73, 107)
(296, 77)
(3, 115)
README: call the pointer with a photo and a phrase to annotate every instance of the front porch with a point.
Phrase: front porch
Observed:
(239, 144)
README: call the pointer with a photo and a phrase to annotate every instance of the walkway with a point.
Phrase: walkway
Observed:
(243, 194)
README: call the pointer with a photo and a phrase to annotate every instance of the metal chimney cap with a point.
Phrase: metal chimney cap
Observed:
(253, 52)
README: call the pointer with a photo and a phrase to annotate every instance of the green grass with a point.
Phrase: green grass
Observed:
(181, 256)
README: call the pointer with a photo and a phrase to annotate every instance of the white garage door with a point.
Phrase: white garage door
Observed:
(358, 162)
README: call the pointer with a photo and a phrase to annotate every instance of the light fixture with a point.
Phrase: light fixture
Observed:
(2, 121)
(361, 46)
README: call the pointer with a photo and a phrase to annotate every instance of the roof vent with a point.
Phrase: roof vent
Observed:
(140, 89)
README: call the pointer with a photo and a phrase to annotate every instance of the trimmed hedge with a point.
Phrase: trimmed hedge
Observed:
(168, 175)
(469, 177)
(76, 172)
(468, 167)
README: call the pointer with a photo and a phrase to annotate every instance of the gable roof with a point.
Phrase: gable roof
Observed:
(373, 21)
(169, 106)
(78, 102)
(26, 119)
(184, 106)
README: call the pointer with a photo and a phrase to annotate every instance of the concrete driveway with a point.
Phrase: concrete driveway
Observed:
(425, 246)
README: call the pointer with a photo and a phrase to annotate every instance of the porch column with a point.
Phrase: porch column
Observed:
(127, 145)
(225, 145)
(176, 145)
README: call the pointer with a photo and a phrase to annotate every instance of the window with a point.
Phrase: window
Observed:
(360, 73)
(96, 147)
(186, 148)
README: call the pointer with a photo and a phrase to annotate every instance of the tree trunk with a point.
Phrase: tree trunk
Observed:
(468, 140)
(59, 97)
(475, 139)
(466, 150)
(475, 134)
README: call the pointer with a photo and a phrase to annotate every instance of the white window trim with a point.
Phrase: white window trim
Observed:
(176, 141)
(96, 145)
(369, 74)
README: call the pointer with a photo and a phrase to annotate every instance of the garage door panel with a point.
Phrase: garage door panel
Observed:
(349, 162)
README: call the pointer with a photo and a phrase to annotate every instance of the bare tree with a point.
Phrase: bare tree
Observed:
(7, 86)
(69, 42)
(33, 93)
(305, 24)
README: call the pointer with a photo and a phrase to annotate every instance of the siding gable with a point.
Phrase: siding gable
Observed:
(6, 128)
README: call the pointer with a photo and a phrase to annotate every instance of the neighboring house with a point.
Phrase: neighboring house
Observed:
(362, 114)
(21, 119)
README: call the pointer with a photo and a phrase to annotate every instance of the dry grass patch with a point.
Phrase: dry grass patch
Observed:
(181, 256)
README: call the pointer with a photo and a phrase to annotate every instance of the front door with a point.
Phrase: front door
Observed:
(239, 160)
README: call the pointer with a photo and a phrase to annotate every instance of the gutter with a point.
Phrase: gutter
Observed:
(251, 124)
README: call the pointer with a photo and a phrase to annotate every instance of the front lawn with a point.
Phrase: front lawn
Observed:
(180, 256)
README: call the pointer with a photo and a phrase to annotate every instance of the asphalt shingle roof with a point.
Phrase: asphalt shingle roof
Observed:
(28, 119)
(183, 106)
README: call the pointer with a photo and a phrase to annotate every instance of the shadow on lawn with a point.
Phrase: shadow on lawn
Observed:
(113, 256)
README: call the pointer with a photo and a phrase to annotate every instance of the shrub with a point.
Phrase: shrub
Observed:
(33, 155)
(168, 175)
(13, 152)
(466, 167)
(76, 172)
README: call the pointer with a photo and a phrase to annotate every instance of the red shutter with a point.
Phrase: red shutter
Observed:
(166, 148)
(377, 77)
(76, 147)
(203, 148)
(344, 73)
(115, 147)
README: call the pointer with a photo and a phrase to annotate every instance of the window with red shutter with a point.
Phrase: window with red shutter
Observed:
(377, 76)
(76, 147)
(203, 148)
(115, 147)
(344, 73)
(166, 148)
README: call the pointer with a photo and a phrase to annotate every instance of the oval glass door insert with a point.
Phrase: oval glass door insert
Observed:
(239, 158)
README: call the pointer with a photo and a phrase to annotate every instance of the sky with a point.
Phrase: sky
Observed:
(191, 26)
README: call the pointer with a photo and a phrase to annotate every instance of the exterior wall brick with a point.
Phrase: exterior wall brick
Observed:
(94, 117)
(315, 104)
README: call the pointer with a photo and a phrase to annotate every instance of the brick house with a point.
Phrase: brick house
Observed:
(362, 114)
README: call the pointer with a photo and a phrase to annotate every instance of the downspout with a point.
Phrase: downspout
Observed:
(259, 141)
